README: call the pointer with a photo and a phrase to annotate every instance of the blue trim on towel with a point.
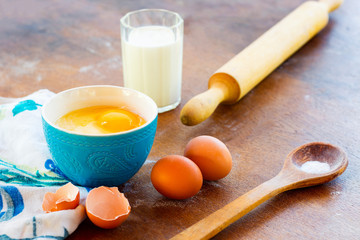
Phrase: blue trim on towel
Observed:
(34, 226)
(66, 234)
(14, 202)
(10, 173)
(22, 106)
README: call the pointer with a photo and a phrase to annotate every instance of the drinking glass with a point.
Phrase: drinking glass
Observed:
(152, 52)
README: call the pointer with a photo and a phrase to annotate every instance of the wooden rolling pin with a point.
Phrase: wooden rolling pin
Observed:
(244, 71)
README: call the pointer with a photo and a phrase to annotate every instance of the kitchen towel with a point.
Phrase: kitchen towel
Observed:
(27, 172)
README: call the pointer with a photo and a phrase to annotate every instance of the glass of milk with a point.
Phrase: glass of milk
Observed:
(152, 49)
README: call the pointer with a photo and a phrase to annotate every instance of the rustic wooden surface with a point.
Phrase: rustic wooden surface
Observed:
(314, 96)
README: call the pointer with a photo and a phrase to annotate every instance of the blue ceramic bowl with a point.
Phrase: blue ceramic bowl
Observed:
(99, 160)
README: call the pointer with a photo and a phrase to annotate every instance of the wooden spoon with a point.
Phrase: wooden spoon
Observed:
(290, 177)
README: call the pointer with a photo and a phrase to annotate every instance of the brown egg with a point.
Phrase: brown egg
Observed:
(66, 197)
(176, 177)
(106, 207)
(210, 155)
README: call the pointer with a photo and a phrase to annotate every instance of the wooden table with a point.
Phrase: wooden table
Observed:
(314, 96)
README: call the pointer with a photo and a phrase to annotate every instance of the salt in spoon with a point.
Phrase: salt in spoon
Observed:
(290, 177)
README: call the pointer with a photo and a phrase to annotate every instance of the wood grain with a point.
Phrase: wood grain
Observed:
(313, 96)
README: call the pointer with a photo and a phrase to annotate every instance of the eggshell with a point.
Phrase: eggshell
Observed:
(211, 155)
(176, 177)
(66, 197)
(106, 207)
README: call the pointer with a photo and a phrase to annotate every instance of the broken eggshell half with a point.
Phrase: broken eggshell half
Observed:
(66, 197)
(106, 207)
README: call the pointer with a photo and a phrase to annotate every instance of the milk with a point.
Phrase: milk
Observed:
(152, 64)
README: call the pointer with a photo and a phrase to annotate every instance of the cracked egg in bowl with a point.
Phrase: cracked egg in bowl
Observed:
(99, 135)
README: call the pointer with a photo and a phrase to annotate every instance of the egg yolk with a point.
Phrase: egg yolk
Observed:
(100, 120)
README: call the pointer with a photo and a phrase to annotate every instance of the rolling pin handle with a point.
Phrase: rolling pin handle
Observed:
(222, 88)
(203, 105)
(332, 4)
